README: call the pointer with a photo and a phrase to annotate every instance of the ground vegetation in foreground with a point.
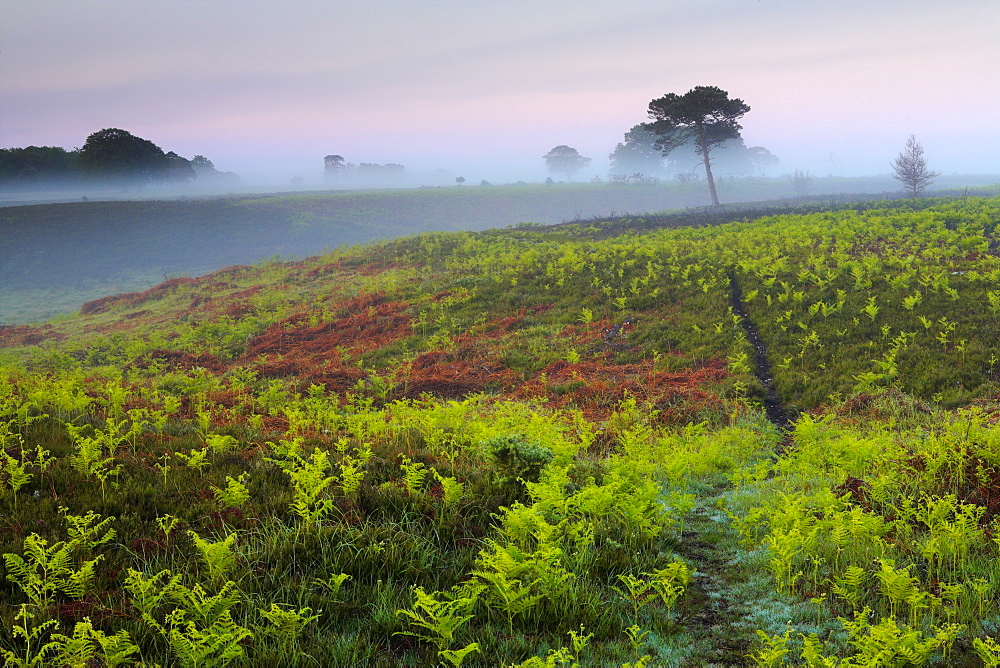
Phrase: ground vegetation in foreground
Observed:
(540, 446)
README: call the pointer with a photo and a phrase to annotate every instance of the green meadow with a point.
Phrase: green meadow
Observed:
(539, 446)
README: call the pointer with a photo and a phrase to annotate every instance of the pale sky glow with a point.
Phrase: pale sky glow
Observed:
(484, 88)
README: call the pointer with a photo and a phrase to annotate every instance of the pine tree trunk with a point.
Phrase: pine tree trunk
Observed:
(708, 174)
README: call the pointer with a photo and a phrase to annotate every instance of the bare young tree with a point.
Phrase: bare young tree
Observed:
(910, 168)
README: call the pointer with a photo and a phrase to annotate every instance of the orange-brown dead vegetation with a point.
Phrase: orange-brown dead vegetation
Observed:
(351, 265)
(493, 329)
(103, 304)
(26, 335)
(598, 386)
(369, 322)
(180, 360)
(453, 375)
(332, 374)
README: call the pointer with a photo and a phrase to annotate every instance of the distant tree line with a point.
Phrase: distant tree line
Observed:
(689, 135)
(31, 166)
(109, 157)
(335, 168)
(638, 154)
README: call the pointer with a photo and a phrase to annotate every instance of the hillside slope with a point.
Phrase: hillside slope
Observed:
(56, 256)
(517, 446)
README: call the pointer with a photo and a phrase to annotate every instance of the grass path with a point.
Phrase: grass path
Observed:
(708, 544)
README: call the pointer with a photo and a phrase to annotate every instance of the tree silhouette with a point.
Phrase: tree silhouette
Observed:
(761, 159)
(565, 160)
(121, 156)
(704, 116)
(911, 168)
(27, 167)
(333, 166)
(179, 170)
(638, 153)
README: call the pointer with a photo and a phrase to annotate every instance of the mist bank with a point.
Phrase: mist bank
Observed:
(56, 256)
(731, 189)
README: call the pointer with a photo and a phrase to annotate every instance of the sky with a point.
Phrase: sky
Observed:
(484, 88)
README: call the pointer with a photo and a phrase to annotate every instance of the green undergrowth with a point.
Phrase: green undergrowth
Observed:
(404, 533)
(888, 528)
(851, 301)
(414, 532)
(57, 256)
(523, 447)
(846, 300)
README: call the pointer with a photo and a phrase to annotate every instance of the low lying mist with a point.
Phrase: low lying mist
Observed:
(732, 188)
(62, 248)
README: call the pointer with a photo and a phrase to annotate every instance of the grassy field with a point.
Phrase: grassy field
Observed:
(537, 446)
(55, 257)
